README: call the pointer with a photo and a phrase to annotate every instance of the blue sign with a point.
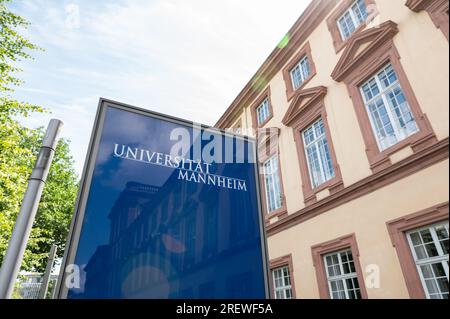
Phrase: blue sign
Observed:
(167, 209)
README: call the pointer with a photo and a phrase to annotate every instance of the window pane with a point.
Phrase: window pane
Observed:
(350, 255)
(444, 245)
(431, 286)
(356, 283)
(432, 264)
(360, 11)
(438, 270)
(333, 285)
(431, 250)
(391, 74)
(382, 124)
(352, 267)
(330, 271)
(337, 270)
(288, 293)
(262, 112)
(309, 136)
(344, 257)
(426, 271)
(272, 184)
(443, 285)
(346, 267)
(350, 284)
(305, 69)
(314, 166)
(337, 289)
(374, 87)
(352, 294)
(342, 285)
(296, 77)
(282, 283)
(347, 263)
(387, 76)
(392, 119)
(352, 18)
(325, 155)
(350, 24)
(300, 73)
(335, 259)
(344, 28)
(319, 128)
(402, 111)
(320, 164)
(442, 234)
(367, 92)
(415, 238)
(420, 252)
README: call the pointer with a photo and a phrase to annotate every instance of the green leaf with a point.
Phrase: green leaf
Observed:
(18, 150)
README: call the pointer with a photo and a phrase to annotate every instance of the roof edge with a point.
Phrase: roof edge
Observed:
(313, 15)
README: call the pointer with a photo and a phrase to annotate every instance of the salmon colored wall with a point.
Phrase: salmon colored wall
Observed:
(366, 217)
(424, 52)
(428, 76)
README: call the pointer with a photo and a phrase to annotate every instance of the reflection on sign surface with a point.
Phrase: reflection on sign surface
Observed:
(165, 225)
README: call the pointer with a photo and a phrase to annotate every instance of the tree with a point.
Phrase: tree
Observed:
(18, 150)
(12, 46)
(57, 202)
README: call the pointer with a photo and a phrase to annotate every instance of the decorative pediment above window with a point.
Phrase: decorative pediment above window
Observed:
(307, 113)
(428, 5)
(418, 5)
(302, 102)
(437, 9)
(362, 46)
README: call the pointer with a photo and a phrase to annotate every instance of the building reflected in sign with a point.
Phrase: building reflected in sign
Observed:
(175, 241)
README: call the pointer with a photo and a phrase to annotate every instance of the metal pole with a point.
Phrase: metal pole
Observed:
(19, 238)
(47, 273)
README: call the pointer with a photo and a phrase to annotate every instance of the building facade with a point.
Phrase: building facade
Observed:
(356, 184)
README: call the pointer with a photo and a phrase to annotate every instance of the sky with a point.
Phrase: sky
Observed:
(188, 59)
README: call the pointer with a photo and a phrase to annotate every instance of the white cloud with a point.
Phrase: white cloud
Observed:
(72, 20)
(186, 58)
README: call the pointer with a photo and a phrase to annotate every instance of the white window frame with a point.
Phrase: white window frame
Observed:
(263, 111)
(282, 289)
(441, 258)
(399, 133)
(272, 183)
(343, 277)
(324, 174)
(353, 17)
(303, 74)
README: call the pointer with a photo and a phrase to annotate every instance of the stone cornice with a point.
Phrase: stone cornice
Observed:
(296, 108)
(429, 156)
(352, 55)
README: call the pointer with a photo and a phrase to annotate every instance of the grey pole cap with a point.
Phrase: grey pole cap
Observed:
(50, 138)
(45, 156)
